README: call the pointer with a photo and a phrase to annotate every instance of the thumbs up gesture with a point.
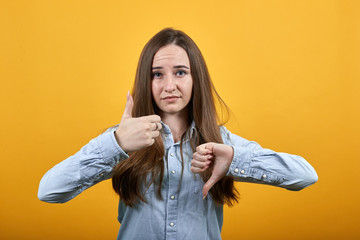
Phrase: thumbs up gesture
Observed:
(136, 133)
(220, 155)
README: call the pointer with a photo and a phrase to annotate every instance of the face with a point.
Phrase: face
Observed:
(171, 80)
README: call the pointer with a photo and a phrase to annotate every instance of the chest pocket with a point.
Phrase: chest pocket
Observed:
(197, 184)
(197, 204)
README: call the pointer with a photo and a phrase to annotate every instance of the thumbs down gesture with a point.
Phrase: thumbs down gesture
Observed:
(219, 155)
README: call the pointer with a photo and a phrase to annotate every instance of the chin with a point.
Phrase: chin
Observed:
(172, 110)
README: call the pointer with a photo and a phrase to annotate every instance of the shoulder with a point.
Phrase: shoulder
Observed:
(228, 136)
(232, 139)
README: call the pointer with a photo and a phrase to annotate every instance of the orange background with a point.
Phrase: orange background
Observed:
(289, 70)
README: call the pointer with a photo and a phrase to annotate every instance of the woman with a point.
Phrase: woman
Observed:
(171, 164)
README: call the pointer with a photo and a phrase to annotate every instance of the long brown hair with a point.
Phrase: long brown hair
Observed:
(146, 166)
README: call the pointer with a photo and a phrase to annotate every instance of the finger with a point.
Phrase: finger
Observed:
(152, 118)
(153, 126)
(155, 134)
(210, 146)
(150, 142)
(197, 170)
(157, 126)
(198, 164)
(208, 185)
(128, 107)
(202, 158)
(202, 150)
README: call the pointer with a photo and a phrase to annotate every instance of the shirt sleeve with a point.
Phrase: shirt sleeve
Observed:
(254, 164)
(89, 166)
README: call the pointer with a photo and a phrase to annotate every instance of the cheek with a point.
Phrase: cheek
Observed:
(155, 90)
(189, 89)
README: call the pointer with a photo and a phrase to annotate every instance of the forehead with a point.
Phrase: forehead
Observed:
(171, 54)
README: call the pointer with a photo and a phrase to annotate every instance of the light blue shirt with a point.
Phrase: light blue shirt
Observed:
(180, 214)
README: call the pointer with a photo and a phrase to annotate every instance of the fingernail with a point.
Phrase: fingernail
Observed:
(204, 197)
(128, 94)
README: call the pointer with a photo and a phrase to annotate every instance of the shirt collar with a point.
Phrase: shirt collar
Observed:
(192, 128)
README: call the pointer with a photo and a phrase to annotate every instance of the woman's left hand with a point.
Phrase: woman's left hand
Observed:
(220, 155)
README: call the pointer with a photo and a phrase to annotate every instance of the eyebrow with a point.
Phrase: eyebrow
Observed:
(178, 66)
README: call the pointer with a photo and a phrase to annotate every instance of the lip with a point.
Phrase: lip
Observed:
(170, 99)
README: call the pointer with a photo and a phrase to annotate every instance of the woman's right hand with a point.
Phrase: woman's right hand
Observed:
(134, 134)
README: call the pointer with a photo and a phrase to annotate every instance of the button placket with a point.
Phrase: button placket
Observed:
(172, 210)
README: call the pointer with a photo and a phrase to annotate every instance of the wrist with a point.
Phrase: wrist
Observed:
(230, 154)
(118, 141)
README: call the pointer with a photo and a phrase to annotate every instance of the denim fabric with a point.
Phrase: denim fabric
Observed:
(180, 214)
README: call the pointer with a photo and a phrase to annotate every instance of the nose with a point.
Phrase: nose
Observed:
(170, 84)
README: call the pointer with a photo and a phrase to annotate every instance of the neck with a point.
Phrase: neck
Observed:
(177, 122)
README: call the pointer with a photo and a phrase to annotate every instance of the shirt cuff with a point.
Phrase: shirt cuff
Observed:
(240, 164)
(241, 168)
(110, 150)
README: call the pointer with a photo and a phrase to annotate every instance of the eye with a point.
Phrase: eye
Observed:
(156, 75)
(181, 73)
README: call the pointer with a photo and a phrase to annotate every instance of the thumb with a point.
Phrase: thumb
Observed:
(128, 107)
(208, 185)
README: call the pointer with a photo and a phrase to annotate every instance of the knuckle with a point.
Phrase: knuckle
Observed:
(145, 135)
(149, 142)
(144, 121)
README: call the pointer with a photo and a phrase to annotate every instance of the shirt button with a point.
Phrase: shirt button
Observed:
(264, 176)
(171, 224)
(236, 170)
(172, 197)
(172, 154)
(242, 171)
(173, 171)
